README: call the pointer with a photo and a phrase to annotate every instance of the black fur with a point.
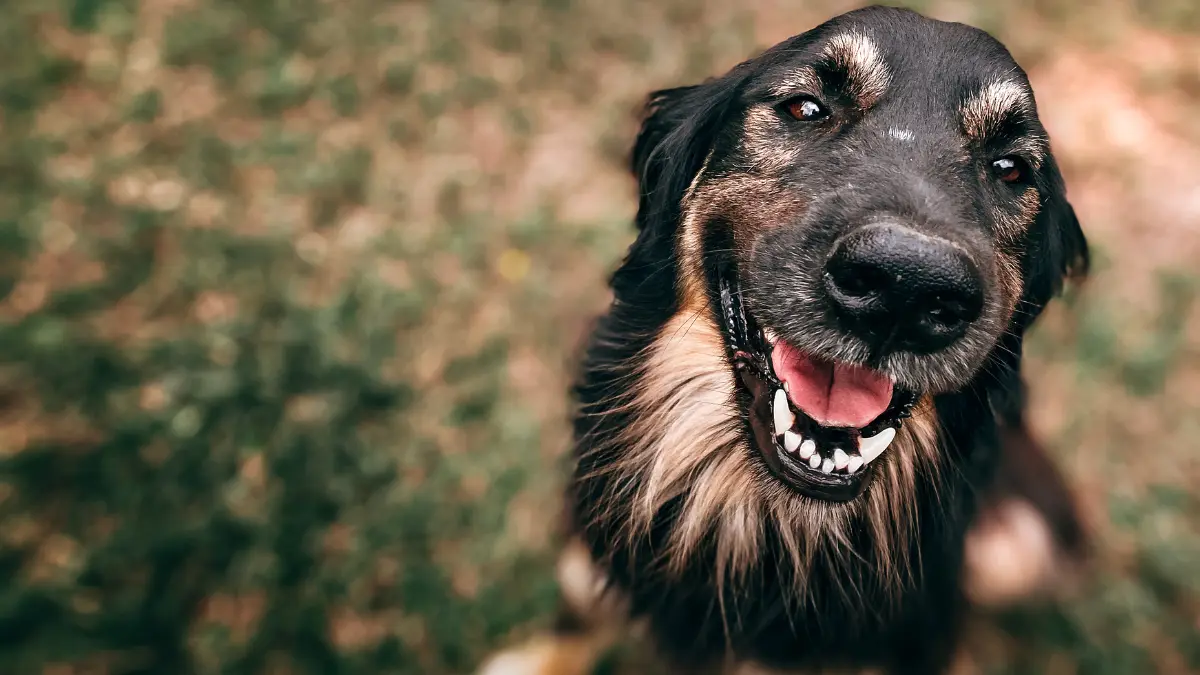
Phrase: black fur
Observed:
(910, 631)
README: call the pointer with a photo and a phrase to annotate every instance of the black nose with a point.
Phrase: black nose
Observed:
(897, 288)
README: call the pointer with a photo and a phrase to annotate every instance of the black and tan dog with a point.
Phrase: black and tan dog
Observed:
(800, 437)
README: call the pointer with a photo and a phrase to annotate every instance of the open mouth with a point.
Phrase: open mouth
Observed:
(820, 426)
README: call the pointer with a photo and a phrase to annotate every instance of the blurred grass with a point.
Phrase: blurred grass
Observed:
(291, 292)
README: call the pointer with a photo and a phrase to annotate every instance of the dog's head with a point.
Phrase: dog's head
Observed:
(861, 218)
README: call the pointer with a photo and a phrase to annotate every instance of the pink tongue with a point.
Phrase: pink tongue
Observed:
(834, 395)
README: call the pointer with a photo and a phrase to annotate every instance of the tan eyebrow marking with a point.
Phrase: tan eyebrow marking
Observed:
(802, 79)
(983, 113)
(866, 72)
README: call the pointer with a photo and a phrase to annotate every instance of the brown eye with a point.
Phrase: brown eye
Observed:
(1009, 169)
(806, 109)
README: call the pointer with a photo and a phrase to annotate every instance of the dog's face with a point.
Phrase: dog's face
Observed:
(837, 240)
(870, 212)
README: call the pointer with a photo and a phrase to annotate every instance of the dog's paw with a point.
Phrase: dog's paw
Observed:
(544, 656)
(1012, 556)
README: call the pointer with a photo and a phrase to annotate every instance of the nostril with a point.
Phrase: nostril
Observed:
(948, 309)
(858, 296)
(860, 280)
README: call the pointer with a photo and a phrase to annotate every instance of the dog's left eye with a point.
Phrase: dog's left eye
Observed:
(1010, 169)
(806, 109)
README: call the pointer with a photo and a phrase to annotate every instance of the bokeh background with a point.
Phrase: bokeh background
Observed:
(291, 293)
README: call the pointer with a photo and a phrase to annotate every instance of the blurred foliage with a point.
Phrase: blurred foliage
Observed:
(285, 343)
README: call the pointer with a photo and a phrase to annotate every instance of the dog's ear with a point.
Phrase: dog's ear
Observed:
(1058, 252)
(665, 110)
(1074, 259)
(679, 128)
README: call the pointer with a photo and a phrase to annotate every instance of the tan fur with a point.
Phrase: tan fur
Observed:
(688, 440)
(803, 80)
(855, 54)
(1011, 227)
(752, 202)
(690, 244)
(983, 113)
(1011, 230)
(761, 142)
(1008, 265)
(865, 68)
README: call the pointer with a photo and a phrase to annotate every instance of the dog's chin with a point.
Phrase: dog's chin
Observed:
(821, 427)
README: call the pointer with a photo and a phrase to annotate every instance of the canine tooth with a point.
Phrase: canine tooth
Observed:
(840, 459)
(769, 335)
(791, 440)
(814, 461)
(827, 466)
(872, 447)
(808, 449)
(855, 464)
(783, 415)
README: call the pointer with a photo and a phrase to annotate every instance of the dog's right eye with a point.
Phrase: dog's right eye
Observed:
(806, 109)
(1010, 169)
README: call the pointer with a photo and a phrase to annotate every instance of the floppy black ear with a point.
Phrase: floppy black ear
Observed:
(665, 111)
(1059, 252)
(1075, 260)
(679, 128)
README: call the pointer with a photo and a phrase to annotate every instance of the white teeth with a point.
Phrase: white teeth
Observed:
(872, 447)
(814, 461)
(791, 440)
(770, 336)
(855, 464)
(840, 459)
(827, 466)
(783, 415)
(808, 448)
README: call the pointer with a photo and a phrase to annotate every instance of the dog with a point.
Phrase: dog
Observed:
(800, 442)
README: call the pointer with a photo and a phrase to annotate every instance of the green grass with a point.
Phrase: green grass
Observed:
(291, 294)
